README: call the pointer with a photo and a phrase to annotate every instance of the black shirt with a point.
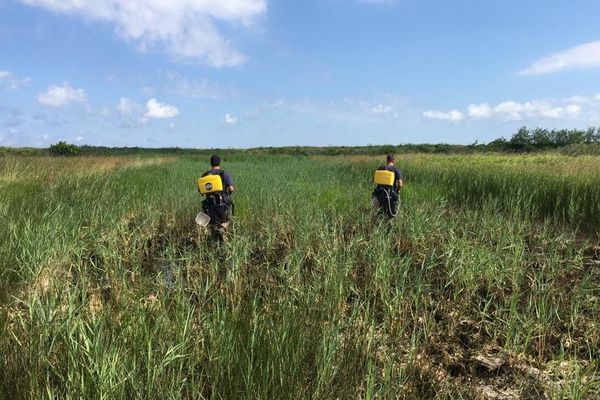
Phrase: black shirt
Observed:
(397, 174)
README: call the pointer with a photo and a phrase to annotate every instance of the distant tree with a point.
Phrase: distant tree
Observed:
(541, 138)
(64, 149)
(388, 149)
(499, 144)
(521, 141)
(591, 136)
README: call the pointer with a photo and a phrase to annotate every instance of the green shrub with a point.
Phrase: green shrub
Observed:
(64, 149)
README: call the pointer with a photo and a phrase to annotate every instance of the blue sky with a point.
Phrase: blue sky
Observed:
(248, 73)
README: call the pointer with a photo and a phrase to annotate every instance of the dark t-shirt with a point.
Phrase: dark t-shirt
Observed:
(227, 180)
(397, 174)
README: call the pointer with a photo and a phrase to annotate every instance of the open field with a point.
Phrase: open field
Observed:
(486, 286)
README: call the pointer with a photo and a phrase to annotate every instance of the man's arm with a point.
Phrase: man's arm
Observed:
(399, 180)
(228, 182)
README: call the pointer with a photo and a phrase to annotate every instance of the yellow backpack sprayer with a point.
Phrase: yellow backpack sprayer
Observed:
(384, 178)
(210, 184)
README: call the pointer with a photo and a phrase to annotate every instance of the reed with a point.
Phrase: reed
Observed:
(108, 289)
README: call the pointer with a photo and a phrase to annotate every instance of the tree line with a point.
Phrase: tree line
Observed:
(567, 141)
(544, 139)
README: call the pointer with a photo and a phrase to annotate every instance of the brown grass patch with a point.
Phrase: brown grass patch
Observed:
(13, 169)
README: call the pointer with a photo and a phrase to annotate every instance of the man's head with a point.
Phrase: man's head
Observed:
(215, 161)
(390, 158)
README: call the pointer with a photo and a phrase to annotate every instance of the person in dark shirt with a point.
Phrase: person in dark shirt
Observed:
(218, 206)
(384, 199)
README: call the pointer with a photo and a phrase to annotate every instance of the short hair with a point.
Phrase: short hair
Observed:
(215, 160)
(390, 158)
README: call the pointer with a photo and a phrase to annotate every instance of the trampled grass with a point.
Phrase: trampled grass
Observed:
(109, 290)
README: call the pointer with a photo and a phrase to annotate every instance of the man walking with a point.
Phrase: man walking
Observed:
(386, 194)
(217, 203)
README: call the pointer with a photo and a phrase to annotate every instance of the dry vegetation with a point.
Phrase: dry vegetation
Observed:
(17, 168)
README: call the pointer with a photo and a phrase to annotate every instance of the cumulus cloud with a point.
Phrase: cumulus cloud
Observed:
(453, 116)
(185, 29)
(569, 111)
(479, 111)
(568, 108)
(514, 111)
(230, 119)
(154, 109)
(58, 96)
(381, 109)
(584, 55)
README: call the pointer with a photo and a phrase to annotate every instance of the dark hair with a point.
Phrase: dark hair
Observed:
(215, 161)
(390, 158)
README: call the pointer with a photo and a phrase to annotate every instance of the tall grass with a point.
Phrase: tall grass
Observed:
(548, 186)
(566, 199)
(109, 290)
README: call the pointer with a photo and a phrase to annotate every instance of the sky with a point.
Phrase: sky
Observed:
(250, 73)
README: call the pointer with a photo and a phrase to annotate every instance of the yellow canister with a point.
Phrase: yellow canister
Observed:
(384, 177)
(210, 184)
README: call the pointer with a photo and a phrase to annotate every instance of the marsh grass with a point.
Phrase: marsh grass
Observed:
(551, 187)
(108, 289)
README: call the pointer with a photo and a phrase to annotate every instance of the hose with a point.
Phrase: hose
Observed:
(389, 200)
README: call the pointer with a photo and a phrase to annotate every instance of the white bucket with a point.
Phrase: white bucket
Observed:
(202, 219)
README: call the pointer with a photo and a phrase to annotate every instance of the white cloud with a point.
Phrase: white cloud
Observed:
(513, 111)
(185, 29)
(381, 109)
(479, 111)
(569, 111)
(230, 119)
(127, 107)
(160, 110)
(4, 75)
(566, 108)
(453, 116)
(79, 138)
(58, 96)
(584, 55)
